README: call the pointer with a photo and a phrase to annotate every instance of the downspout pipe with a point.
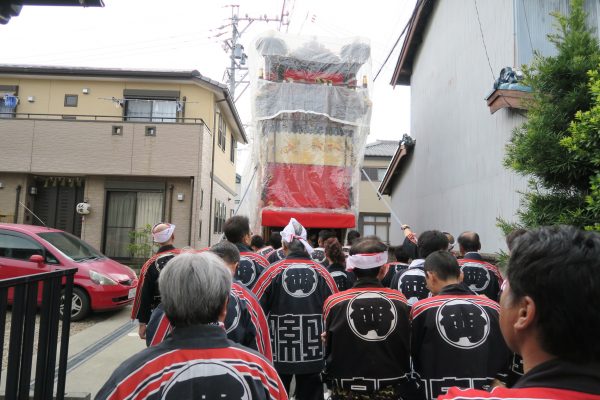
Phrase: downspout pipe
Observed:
(192, 181)
(171, 188)
(18, 200)
(212, 176)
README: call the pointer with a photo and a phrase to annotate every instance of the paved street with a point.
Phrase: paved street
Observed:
(97, 350)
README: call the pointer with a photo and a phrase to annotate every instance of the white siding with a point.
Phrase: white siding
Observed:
(455, 180)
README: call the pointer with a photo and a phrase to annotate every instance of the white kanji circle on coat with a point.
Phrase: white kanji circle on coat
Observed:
(206, 380)
(246, 272)
(462, 323)
(371, 316)
(299, 280)
(476, 276)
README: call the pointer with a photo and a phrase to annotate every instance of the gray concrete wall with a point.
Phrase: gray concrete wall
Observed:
(455, 179)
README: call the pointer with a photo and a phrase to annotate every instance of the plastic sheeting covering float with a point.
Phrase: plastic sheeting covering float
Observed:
(311, 110)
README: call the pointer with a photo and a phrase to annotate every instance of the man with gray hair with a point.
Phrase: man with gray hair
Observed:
(245, 323)
(292, 292)
(197, 360)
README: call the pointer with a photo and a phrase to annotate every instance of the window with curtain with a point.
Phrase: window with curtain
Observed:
(6, 111)
(220, 213)
(232, 149)
(126, 212)
(222, 131)
(151, 110)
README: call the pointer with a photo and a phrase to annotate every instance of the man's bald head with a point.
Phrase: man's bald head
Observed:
(163, 233)
(469, 241)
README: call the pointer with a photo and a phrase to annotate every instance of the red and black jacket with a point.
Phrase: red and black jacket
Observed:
(456, 340)
(291, 293)
(147, 296)
(368, 338)
(554, 379)
(245, 323)
(250, 267)
(195, 362)
(481, 277)
(393, 269)
(344, 280)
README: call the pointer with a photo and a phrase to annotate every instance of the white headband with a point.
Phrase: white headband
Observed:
(164, 236)
(288, 234)
(367, 261)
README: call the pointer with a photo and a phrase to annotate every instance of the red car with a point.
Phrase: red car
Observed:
(100, 283)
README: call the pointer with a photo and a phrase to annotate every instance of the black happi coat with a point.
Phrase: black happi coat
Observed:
(343, 279)
(456, 340)
(368, 331)
(245, 322)
(554, 379)
(481, 277)
(292, 293)
(411, 282)
(276, 255)
(149, 297)
(195, 362)
(250, 267)
(394, 268)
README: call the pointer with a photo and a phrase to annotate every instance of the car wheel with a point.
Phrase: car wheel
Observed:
(80, 304)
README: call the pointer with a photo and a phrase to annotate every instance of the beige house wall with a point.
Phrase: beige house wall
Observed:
(369, 201)
(93, 223)
(8, 196)
(67, 147)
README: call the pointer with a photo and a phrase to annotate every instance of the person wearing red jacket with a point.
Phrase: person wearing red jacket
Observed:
(237, 231)
(292, 292)
(549, 312)
(481, 277)
(197, 361)
(148, 296)
(367, 332)
(245, 322)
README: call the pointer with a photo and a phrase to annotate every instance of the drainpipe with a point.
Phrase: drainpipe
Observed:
(212, 176)
(16, 216)
(171, 187)
(191, 210)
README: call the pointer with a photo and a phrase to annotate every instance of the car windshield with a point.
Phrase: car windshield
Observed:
(71, 246)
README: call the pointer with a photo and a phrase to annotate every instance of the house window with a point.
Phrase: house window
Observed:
(149, 110)
(375, 224)
(71, 100)
(220, 213)
(375, 174)
(232, 149)
(222, 132)
(8, 101)
(128, 211)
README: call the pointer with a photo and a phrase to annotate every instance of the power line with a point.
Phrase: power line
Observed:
(410, 20)
(483, 41)
(527, 24)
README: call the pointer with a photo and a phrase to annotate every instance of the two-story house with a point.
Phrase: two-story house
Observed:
(373, 214)
(138, 146)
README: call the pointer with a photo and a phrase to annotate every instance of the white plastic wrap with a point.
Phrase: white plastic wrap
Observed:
(311, 110)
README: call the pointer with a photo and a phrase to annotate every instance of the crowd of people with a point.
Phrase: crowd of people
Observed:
(249, 319)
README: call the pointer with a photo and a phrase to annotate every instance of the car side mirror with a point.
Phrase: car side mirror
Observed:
(38, 259)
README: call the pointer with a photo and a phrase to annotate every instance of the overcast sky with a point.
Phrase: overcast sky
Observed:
(176, 34)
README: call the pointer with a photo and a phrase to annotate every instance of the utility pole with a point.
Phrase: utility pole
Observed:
(235, 50)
